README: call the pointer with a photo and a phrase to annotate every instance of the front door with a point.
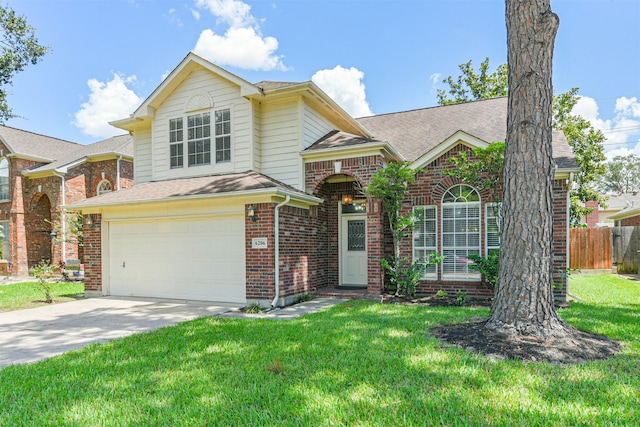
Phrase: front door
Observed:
(353, 247)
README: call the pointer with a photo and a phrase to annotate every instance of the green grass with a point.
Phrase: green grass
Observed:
(19, 296)
(360, 363)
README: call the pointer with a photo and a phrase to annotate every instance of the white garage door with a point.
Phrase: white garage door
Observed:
(199, 259)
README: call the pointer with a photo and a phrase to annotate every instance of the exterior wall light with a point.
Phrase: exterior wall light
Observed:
(89, 221)
(53, 234)
(347, 199)
(251, 213)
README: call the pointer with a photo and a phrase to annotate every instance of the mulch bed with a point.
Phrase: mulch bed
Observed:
(573, 346)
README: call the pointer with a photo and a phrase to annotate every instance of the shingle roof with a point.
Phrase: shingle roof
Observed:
(335, 139)
(269, 85)
(185, 187)
(416, 132)
(122, 144)
(31, 144)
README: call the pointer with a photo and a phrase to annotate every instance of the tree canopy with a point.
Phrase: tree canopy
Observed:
(621, 175)
(19, 47)
(586, 142)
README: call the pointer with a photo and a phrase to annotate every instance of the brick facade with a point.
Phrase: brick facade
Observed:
(633, 221)
(34, 206)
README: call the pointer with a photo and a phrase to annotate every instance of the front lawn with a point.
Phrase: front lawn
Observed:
(359, 363)
(19, 296)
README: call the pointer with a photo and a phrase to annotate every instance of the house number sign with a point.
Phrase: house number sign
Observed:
(259, 243)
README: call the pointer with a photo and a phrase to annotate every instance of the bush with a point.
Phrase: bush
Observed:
(42, 272)
(405, 275)
(488, 267)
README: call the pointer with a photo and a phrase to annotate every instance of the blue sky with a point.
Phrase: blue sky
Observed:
(372, 56)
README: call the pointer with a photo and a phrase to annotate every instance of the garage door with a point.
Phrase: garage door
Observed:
(200, 259)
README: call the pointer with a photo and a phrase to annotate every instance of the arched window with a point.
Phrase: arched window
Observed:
(460, 232)
(104, 186)
(4, 179)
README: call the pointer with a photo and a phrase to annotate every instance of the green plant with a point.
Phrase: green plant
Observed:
(304, 298)
(43, 271)
(565, 274)
(461, 296)
(253, 308)
(405, 275)
(442, 293)
(488, 266)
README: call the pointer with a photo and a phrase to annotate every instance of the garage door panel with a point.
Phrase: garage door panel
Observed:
(189, 259)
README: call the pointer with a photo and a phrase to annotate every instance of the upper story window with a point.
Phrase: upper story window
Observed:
(4, 179)
(104, 186)
(199, 134)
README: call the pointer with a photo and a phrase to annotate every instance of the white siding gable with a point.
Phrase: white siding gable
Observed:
(196, 94)
(142, 168)
(315, 126)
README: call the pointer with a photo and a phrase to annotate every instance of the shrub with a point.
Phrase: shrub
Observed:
(405, 275)
(43, 271)
(488, 267)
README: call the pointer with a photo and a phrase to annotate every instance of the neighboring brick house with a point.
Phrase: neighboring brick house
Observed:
(616, 203)
(628, 217)
(39, 174)
(254, 193)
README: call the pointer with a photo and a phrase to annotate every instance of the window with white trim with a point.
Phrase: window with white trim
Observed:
(223, 136)
(176, 151)
(460, 232)
(4, 179)
(425, 237)
(199, 139)
(199, 135)
(493, 217)
(104, 186)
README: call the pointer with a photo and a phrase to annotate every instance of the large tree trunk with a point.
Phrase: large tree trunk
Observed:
(524, 293)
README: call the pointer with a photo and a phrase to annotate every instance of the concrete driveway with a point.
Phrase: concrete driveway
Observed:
(27, 336)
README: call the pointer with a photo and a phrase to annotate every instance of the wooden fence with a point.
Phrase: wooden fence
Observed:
(591, 248)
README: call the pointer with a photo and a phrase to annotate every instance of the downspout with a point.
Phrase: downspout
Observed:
(118, 173)
(276, 230)
(568, 243)
(62, 219)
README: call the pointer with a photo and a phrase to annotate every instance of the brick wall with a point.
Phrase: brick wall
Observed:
(325, 259)
(634, 221)
(27, 196)
(260, 261)
(93, 256)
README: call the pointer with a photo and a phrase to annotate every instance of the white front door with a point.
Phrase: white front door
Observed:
(353, 248)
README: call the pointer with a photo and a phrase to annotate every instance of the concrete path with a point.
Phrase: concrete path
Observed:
(27, 336)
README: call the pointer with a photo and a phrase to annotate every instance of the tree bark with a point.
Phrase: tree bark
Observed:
(524, 293)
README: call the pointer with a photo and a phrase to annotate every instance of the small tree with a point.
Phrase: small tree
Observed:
(43, 271)
(621, 175)
(391, 186)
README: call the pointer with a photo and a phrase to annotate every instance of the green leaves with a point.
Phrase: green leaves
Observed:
(486, 171)
(622, 174)
(470, 86)
(19, 48)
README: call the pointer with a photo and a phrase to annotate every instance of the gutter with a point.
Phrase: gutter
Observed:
(276, 230)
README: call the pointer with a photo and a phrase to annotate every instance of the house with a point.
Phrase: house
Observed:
(628, 217)
(39, 174)
(616, 203)
(254, 193)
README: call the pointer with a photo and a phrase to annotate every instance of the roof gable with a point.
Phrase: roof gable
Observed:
(189, 64)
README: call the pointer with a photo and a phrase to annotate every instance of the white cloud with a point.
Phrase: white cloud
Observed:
(242, 45)
(345, 87)
(173, 18)
(196, 14)
(232, 12)
(108, 101)
(435, 77)
(622, 131)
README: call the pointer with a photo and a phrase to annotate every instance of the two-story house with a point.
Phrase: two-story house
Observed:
(254, 192)
(40, 174)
